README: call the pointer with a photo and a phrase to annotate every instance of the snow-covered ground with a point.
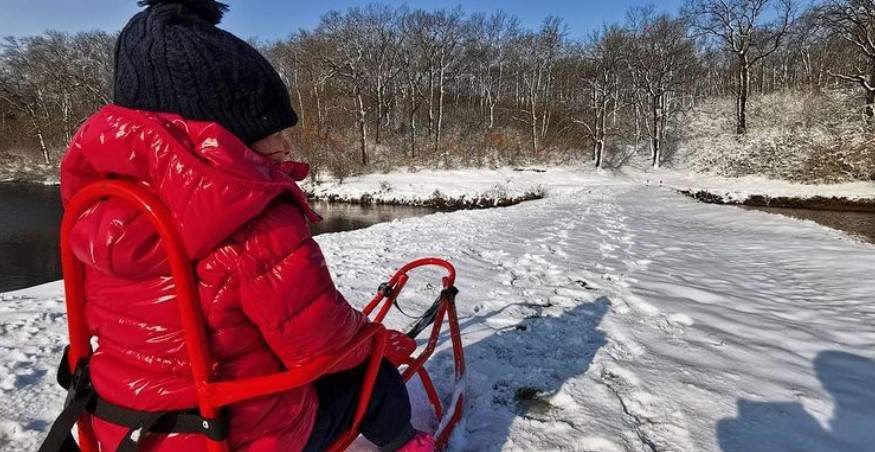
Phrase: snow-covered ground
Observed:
(610, 316)
(421, 186)
(739, 189)
(37, 173)
(425, 186)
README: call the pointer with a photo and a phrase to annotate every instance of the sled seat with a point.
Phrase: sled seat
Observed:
(213, 396)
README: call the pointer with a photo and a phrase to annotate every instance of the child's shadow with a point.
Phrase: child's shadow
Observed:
(787, 426)
(515, 373)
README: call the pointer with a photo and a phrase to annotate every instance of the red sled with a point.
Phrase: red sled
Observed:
(400, 348)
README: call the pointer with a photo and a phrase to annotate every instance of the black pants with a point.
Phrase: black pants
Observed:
(387, 420)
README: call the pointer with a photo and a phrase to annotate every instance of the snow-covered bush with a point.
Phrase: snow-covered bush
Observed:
(497, 191)
(804, 136)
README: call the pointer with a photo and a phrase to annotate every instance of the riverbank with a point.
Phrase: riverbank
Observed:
(763, 192)
(441, 189)
(29, 173)
(495, 186)
(787, 202)
(610, 316)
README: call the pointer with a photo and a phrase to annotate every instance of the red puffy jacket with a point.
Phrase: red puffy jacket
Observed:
(265, 290)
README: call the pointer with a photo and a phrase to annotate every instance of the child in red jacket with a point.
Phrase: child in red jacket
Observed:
(197, 118)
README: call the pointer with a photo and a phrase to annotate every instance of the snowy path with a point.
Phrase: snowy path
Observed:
(610, 317)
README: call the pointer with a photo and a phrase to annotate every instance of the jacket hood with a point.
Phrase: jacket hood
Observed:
(211, 182)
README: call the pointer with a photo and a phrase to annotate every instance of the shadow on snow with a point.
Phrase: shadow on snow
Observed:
(787, 426)
(513, 373)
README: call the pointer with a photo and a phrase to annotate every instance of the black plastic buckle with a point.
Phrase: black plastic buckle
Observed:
(450, 294)
(216, 429)
(386, 289)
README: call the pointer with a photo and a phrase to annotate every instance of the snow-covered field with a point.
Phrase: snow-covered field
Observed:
(738, 189)
(612, 315)
(420, 187)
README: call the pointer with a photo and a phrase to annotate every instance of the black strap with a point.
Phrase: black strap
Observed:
(82, 399)
(183, 421)
(429, 315)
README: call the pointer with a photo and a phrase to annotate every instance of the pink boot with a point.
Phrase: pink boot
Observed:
(422, 442)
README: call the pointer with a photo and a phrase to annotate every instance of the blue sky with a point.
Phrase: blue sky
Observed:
(271, 19)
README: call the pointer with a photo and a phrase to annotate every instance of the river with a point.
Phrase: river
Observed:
(30, 216)
(860, 224)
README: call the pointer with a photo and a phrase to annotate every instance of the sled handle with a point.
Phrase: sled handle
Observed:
(390, 290)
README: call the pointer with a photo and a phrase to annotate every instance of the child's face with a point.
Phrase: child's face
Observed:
(275, 147)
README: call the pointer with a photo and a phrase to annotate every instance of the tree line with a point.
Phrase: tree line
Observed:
(378, 87)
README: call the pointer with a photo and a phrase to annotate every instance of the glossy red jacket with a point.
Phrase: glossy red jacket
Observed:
(265, 290)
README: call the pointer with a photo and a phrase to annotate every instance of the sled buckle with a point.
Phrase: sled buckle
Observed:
(386, 289)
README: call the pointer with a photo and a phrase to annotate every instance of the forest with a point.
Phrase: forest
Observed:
(380, 87)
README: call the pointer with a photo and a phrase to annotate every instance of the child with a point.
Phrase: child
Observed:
(197, 118)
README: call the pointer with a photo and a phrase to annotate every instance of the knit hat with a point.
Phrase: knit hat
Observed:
(172, 58)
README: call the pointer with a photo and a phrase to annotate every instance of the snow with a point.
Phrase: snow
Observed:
(794, 135)
(419, 187)
(739, 189)
(423, 186)
(15, 170)
(612, 315)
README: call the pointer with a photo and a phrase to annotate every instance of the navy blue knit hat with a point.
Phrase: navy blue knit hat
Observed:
(172, 58)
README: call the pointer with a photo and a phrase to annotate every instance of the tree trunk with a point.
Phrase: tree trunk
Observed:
(430, 102)
(741, 100)
(363, 129)
(412, 134)
(377, 134)
(534, 119)
(39, 134)
(870, 107)
(656, 128)
(870, 97)
(300, 98)
(318, 108)
(598, 148)
(440, 116)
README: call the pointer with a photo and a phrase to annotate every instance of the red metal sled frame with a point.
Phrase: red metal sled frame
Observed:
(212, 396)
(414, 365)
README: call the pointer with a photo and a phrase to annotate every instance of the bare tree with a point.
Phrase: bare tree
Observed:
(348, 61)
(382, 42)
(661, 60)
(445, 33)
(854, 22)
(488, 51)
(374, 83)
(601, 63)
(745, 29)
(535, 55)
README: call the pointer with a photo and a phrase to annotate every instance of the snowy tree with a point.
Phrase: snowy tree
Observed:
(535, 56)
(661, 61)
(747, 30)
(854, 22)
(601, 61)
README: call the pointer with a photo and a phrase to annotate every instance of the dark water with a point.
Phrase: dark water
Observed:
(338, 217)
(31, 214)
(860, 224)
(29, 220)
